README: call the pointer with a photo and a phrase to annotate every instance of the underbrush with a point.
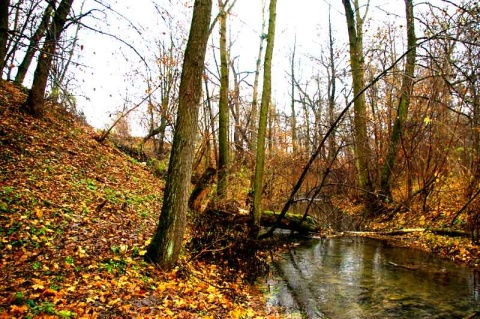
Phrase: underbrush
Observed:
(222, 238)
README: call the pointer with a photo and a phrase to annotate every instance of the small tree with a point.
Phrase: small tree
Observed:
(223, 150)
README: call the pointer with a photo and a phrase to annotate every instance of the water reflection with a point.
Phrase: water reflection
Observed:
(363, 278)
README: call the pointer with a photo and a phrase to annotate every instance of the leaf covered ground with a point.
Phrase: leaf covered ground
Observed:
(75, 218)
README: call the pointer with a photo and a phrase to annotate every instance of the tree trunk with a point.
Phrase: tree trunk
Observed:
(293, 120)
(239, 135)
(223, 106)
(258, 64)
(4, 4)
(331, 88)
(362, 148)
(33, 45)
(402, 110)
(211, 122)
(262, 123)
(36, 97)
(166, 243)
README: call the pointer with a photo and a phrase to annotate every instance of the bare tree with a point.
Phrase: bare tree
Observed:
(36, 97)
(34, 43)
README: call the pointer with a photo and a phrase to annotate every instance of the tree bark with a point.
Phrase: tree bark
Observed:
(293, 120)
(332, 78)
(223, 107)
(4, 4)
(36, 97)
(262, 124)
(403, 105)
(211, 122)
(258, 64)
(357, 63)
(166, 243)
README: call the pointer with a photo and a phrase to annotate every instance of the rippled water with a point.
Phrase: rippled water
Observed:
(365, 278)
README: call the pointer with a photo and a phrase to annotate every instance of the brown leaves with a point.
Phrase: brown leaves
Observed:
(75, 217)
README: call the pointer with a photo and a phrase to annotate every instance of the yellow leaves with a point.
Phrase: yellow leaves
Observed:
(38, 212)
(111, 303)
(421, 222)
(180, 303)
(211, 298)
(169, 312)
(211, 289)
(81, 252)
(38, 284)
(240, 312)
(123, 248)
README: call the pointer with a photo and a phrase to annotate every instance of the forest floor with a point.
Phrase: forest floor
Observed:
(76, 216)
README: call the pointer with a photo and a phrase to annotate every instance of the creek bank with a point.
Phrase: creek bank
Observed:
(454, 245)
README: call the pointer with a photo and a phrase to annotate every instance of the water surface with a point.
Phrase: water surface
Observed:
(365, 278)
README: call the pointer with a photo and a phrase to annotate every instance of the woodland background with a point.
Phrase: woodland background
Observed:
(384, 134)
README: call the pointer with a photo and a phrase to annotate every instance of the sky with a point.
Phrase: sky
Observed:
(112, 75)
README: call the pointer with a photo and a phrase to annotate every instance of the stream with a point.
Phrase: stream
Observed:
(365, 278)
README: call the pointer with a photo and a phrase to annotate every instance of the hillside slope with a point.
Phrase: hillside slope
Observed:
(75, 217)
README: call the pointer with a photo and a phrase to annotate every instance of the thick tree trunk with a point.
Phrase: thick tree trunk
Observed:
(262, 123)
(36, 97)
(403, 105)
(166, 243)
(223, 107)
(4, 4)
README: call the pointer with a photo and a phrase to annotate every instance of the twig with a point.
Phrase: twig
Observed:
(464, 207)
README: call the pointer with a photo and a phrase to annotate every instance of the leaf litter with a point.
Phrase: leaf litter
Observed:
(75, 220)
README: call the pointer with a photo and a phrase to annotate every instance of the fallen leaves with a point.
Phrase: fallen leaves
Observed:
(75, 219)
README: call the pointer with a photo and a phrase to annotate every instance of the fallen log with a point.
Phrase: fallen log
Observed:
(473, 315)
(290, 222)
(388, 233)
(409, 267)
(403, 231)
